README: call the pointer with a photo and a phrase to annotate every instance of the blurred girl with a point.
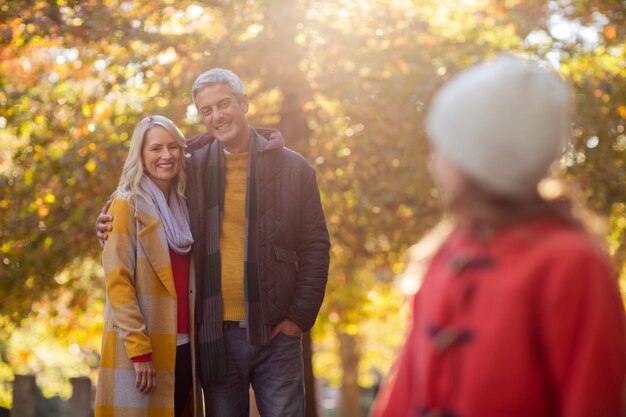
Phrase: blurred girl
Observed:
(519, 313)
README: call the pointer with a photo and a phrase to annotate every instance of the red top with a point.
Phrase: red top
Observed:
(530, 323)
(180, 270)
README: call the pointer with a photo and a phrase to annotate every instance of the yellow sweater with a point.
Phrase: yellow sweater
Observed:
(232, 236)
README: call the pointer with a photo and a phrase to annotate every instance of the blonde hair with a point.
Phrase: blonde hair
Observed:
(133, 170)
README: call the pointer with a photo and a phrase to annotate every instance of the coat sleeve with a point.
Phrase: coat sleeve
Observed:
(583, 334)
(119, 261)
(313, 251)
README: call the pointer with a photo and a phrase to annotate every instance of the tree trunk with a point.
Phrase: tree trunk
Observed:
(24, 389)
(350, 390)
(281, 56)
(80, 403)
(284, 55)
(309, 377)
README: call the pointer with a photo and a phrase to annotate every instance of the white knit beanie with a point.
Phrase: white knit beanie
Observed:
(502, 123)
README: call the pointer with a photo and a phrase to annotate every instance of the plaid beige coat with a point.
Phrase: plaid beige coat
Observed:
(140, 315)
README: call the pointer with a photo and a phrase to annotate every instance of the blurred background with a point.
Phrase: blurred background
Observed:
(348, 83)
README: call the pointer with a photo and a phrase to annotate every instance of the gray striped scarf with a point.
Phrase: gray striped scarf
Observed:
(212, 349)
(174, 216)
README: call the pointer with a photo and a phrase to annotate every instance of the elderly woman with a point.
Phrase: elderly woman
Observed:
(519, 313)
(147, 366)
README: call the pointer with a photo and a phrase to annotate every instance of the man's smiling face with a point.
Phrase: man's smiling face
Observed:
(224, 115)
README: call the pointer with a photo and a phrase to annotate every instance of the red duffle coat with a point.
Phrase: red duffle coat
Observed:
(530, 323)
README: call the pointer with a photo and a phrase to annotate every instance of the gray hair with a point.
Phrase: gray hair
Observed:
(218, 76)
(134, 170)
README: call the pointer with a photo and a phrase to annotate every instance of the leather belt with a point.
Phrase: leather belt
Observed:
(235, 323)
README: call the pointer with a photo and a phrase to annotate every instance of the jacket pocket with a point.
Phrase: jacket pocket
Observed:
(284, 277)
(285, 255)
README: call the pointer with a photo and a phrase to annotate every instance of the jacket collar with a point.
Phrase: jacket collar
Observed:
(154, 242)
(260, 141)
(263, 144)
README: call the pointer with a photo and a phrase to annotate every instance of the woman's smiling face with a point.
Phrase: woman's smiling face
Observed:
(161, 157)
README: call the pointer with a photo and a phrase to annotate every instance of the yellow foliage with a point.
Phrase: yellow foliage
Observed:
(90, 166)
(610, 32)
(103, 110)
(155, 89)
(43, 210)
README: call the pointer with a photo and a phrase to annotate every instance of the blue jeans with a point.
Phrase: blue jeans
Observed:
(276, 373)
